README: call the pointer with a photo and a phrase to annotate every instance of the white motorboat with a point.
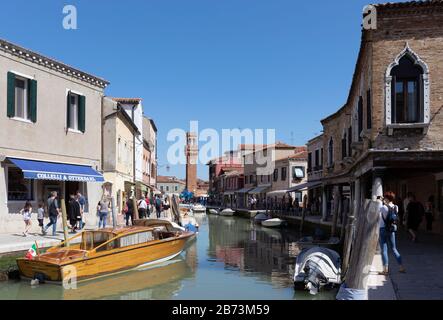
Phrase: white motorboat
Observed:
(317, 268)
(259, 218)
(227, 213)
(198, 209)
(214, 211)
(273, 223)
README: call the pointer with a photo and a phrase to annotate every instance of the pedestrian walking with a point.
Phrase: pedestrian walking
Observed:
(429, 213)
(142, 208)
(54, 212)
(73, 212)
(129, 211)
(416, 212)
(82, 201)
(103, 208)
(406, 202)
(388, 223)
(41, 215)
(158, 207)
(148, 206)
(26, 212)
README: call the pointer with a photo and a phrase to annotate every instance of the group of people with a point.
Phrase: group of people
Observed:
(146, 206)
(75, 210)
(391, 217)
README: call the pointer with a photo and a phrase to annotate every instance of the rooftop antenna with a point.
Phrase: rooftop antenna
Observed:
(292, 138)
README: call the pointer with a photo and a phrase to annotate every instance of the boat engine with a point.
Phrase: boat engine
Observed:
(317, 268)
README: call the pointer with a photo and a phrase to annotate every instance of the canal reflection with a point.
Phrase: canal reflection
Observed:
(268, 254)
(232, 259)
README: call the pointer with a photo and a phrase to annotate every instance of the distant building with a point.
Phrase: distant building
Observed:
(149, 154)
(289, 178)
(170, 185)
(258, 173)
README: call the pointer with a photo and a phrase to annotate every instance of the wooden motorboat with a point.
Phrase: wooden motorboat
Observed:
(107, 251)
(227, 213)
(273, 223)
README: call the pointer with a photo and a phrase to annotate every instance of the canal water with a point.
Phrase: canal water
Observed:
(231, 259)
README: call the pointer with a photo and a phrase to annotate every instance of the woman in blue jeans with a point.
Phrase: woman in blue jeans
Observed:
(103, 210)
(388, 236)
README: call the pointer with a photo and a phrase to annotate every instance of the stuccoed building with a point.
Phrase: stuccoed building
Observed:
(134, 109)
(50, 115)
(118, 157)
(170, 185)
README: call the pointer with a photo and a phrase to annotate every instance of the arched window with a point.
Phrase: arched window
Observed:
(344, 145)
(331, 153)
(407, 90)
(360, 118)
(407, 86)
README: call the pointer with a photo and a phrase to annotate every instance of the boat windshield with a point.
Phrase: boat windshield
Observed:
(94, 239)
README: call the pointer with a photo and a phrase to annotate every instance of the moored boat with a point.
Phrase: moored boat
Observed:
(227, 213)
(198, 209)
(273, 223)
(259, 218)
(107, 251)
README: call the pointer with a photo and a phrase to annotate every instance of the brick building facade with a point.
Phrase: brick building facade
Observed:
(388, 135)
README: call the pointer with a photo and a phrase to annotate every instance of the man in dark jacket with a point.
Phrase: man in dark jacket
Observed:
(130, 213)
(416, 213)
(74, 212)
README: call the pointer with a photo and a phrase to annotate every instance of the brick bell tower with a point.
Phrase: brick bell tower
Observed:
(191, 161)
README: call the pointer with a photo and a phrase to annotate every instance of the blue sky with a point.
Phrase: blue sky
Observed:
(278, 64)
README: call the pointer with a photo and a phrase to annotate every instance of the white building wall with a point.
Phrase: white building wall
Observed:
(138, 121)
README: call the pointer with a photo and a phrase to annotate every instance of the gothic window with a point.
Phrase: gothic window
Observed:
(350, 141)
(407, 90)
(331, 153)
(407, 85)
(344, 144)
(368, 110)
(360, 118)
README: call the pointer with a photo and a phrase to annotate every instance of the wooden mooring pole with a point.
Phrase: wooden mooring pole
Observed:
(65, 222)
(114, 213)
(364, 248)
(336, 211)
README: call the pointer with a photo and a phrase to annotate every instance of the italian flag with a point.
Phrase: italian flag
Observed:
(31, 252)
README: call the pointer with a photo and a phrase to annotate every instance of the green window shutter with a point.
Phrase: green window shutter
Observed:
(81, 113)
(11, 95)
(32, 84)
(68, 105)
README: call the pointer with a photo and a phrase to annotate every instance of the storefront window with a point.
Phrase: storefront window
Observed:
(19, 188)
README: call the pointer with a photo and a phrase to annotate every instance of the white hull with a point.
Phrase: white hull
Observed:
(273, 223)
(227, 213)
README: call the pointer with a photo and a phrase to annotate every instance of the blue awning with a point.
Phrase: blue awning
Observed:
(40, 170)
